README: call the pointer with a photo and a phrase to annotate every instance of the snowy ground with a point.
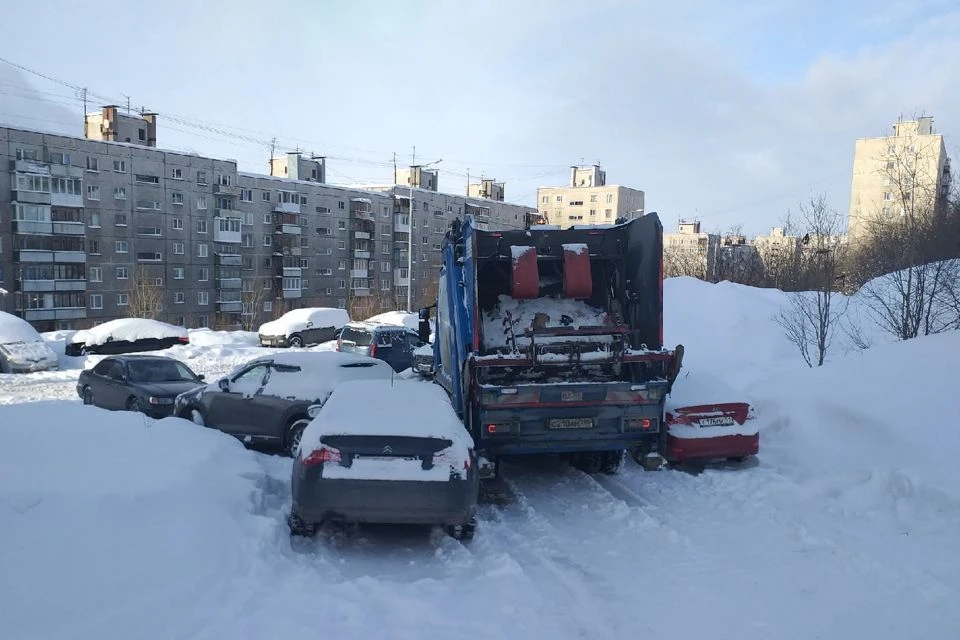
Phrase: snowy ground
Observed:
(116, 526)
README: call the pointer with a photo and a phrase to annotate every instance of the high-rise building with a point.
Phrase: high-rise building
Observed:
(588, 199)
(906, 173)
(84, 222)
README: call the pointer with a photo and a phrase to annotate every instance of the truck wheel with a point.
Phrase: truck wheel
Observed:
(300, 527)
(463, 531)
(612, 462)
(588, 461)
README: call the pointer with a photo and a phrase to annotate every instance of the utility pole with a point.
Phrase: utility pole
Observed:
(468, 182)
(273, 149)
(83, 93)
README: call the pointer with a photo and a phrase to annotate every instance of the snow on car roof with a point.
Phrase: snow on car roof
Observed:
(399, 318)
(128, 329)
(387, 407)
(296, 320)
(320, 372)
(14, 329)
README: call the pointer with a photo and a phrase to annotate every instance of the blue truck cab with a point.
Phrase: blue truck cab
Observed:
(550, 341)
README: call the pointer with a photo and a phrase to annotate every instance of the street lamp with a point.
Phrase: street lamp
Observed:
(413, 168)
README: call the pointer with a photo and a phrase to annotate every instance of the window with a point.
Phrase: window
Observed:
(341, 265)
(268, 307)
(123, 299)
(148, 231)
(323, 210)
(119, 193)
(593, 197)
(267, 240)
(94, 247)
(93, 192)
(201, 226)
(176, 173)
(265, 196)
(304, 283)
(94, 220)
(341, 224)
(230, 224)
(203, 250)
(178, 223)
(246, 195)
(304, 263)
(203, 298)
(201, 177)
(120, 166)
(341, 244)
(593, 212)
(121, 247)
(95, 274)
(609, 198)
(204, 274)
(246, 240)
(178, 248)
(267, 218)
(326, 272)
(426, 239)
(887, 195)
(341, 284)
(142, 134)
(179, 297)
(149, 256)
(93, 164)
(202, 202)
(123, 273)
(224, 179)
(96, 301)
(225, 203)
(177, 198)
(608, 213)
(178, 273)
(385, 267)
(340, 205)
(150, 205)
(146, 178)
(303, 199)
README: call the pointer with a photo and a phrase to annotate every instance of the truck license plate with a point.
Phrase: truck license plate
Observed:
(571, 396)
(571, 423)
(725, 421)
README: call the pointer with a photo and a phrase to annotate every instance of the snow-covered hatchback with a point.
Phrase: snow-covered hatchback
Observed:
(386, 452)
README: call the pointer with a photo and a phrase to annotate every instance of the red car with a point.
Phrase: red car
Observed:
(717, 427)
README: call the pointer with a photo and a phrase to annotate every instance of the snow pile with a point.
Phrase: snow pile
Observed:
(547, 313)
(14, 329)
(518, 251)
(128, 329)
(297, 320)
(399, 318)
(210, 338)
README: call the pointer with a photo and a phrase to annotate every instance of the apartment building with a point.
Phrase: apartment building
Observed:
(83, 221)
(588, 199)
(905, 173)
(690, 251)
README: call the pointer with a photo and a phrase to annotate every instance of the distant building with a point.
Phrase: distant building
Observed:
(588, 199)
(417, 177)
(110, 125)
(901, 174)
(296, 167)
(486, 188)
(690, 252)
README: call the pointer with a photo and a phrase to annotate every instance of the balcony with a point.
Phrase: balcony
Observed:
(225, 237)
(287, 207)
(32, 197)
(292, 293)
(66, 171)
(229, 283)
(359, 273)
(229, 306)
(226, 190)
(400, 280)
(361, 235)
(64, 313)
(292, 272)
(401, 224)
(360, 292)
(34, 286)
(228, 259)
(29, 166)
(289, 229)
(69, 228)
(361, 253)
(287, 251)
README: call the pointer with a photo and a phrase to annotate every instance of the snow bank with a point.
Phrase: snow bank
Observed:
(521, 314)
(296, 320)
(210, 338)
(399, 318)
(14, 329)
(384, 407)
(128, 329)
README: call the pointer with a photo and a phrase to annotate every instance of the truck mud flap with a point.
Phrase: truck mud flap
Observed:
(495, 491)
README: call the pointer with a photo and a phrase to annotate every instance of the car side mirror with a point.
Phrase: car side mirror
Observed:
(224, 384)
(309, 324)
(201, 377)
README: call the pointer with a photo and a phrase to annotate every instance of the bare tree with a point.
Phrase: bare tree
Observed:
(253, 295)
(907, 255)
(813, 313)
(145, 293)
(363, 307)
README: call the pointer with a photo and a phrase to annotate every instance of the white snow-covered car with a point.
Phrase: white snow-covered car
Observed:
(303, 327)
(388, 452)
(126, 335)
(22, 349)
(271, 399)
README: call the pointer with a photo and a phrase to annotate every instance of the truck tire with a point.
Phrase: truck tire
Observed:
(612, 462)
(301, 527)
(588, 461)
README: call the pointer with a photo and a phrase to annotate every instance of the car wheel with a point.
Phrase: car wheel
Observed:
(87, 395)
(300, 527)
(463, 531)
(294, 433)
(133, 405)
(296, 342)
(195, 416)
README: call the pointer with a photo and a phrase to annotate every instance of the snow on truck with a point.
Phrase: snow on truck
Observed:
(551, 341)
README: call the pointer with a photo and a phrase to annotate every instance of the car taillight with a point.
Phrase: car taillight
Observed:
(184, 340)
(320, 456)
(373, 349)
(339, 344)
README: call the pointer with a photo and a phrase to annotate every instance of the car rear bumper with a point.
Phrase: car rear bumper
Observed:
(731, 446)
(273, 341)
(385, 501)
(31, 367)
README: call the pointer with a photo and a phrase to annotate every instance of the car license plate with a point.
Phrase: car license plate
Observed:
(725, 421)
(571, 396)
(571, 423)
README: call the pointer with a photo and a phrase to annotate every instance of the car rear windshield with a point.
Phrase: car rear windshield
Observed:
(159, 371)
(359, 337)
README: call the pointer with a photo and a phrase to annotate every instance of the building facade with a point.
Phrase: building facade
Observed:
(87, 225)
(588, 199)
(690, 252)
(904, 173)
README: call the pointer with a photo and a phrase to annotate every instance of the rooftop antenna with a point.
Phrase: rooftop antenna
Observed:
(128, 102)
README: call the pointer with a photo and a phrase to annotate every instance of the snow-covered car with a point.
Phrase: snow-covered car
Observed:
(404, 458)
(22, 349)
(707, 420)
(126, 335)
(303, 327)
(389, 342)
(269, 399)
(423, 360)
(148, 384)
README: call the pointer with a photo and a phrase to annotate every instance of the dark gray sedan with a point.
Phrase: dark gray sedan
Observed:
(148, 384)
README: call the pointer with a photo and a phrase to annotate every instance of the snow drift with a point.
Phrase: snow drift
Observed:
(128, 329)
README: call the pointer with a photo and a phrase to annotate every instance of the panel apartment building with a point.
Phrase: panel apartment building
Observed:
(588, 199)
(84, 222)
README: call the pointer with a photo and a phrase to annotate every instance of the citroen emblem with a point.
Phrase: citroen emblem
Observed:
(387, 450)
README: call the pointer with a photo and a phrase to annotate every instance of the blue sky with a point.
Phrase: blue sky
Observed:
(731, 111)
